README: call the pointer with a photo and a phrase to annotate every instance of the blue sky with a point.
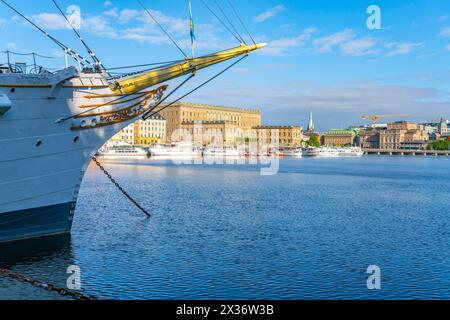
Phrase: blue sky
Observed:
(321, 57)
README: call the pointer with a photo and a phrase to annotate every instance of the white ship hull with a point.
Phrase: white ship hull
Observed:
(128, 156)
(221, 153)
(177, 151)
(128, 152)
(43, 162)
(310, 152)
(292, 153)
(351, 152)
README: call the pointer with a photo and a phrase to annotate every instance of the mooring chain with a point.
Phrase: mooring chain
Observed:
(45, 286)
(118, 186)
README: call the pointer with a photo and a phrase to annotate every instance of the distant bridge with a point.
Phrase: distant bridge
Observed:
(399, 152)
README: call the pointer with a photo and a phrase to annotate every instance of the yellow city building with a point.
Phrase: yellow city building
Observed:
(143, 133)
(229, 120)
(212, 132)
(398, 133)
(284, 136)
(340, 137)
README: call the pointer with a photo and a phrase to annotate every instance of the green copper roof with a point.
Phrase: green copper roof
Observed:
(341, 131)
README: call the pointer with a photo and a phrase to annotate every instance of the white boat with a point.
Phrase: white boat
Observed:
(53, 122)
(122, 151)
(350, 152)
(292, 152)
(221, 152)
(310, 152)
(175, 150)
(327, 152)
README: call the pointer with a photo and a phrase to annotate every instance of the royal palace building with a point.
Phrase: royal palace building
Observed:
(213, 121)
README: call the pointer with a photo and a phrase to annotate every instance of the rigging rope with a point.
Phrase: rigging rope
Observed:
(77, 57)
(28, 54)
(97, 62)
(229, 21)
(242, 22)
(197, 88)
(162, 28)
(221, 21)
(169, 63)
(146, 65)
(145, 115)
(124, 75)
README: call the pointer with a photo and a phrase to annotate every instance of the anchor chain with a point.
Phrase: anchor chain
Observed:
(45, 286)
(118, 186)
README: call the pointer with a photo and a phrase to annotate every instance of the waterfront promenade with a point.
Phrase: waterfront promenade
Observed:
(397, 152)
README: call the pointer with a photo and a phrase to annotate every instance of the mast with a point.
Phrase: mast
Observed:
(154, 77)
(98, 66)
(76, 56)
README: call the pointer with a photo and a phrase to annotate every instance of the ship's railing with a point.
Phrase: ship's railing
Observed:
(23, 67)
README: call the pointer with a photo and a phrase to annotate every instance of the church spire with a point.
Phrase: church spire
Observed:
(311, 123)
(442, 128)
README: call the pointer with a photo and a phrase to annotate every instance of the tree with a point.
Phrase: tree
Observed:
(313, 141)
(439, 145)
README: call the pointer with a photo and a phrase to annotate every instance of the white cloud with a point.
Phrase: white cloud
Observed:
(396, 48)
(359, 47)
(126, 15)
(326, 44)
(137, 25)
(334, 105)
(107, 3)
(445, 32)
(113, 13)
(347, 42)
(172, 24)
(175, 26)
(286, 45)
(50, 21)
(447, 48)
(270, 13)
(99, 26)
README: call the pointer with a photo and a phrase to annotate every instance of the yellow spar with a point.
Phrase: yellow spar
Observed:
(154, 77)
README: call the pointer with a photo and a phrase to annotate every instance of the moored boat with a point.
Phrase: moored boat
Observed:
(122, 151)
(350, 152)
(310, 152)
(328, 152)
(221, 152)
(175, 150)
(292, 152)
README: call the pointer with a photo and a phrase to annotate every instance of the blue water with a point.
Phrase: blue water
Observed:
(226, 232)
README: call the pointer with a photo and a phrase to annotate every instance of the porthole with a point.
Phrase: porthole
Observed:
(39, 143)
(13, 90)
(75, 140)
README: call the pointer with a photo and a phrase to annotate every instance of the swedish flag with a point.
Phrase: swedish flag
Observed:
(191, 22)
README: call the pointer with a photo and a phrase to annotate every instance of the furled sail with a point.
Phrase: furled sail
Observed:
(154, 77)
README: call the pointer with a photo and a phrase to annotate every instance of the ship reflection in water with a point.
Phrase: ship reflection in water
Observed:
(226, 232)
(43, 259)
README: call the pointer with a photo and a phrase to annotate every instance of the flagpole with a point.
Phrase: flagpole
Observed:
(192, 29)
